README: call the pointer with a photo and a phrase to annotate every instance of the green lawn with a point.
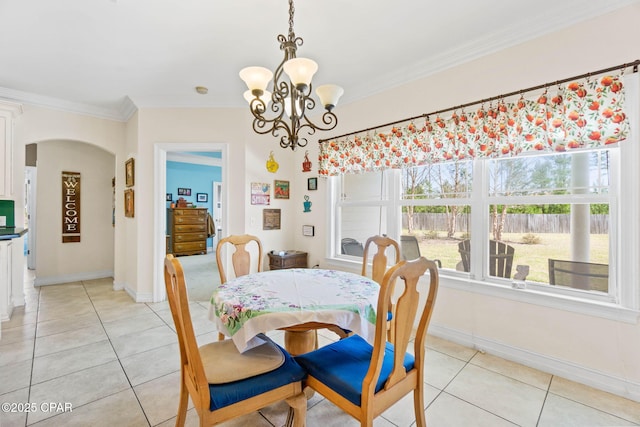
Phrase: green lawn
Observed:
(534, 255)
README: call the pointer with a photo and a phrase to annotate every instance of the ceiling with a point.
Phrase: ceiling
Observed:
(108, 57)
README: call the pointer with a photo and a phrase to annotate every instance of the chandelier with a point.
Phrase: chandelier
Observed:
(290, 100)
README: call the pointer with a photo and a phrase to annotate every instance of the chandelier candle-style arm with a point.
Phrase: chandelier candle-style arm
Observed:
(283, 111)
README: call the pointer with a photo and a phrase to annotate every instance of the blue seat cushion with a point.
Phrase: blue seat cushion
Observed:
(343, 365)
(227, 394)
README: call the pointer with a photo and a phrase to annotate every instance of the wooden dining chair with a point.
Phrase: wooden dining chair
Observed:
(379, 260)
(365, 380)
(241, 258)
(379, 264)
(222, 382)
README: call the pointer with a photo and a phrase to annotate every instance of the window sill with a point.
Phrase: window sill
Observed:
(604, 310)
(460, 281)
(353, 266)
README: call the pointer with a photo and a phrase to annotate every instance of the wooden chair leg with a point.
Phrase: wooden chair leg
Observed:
(182, 403)
(221, 336)
(298, 411)
(418, 405)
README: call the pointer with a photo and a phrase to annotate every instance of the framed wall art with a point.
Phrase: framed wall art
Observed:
(129, 172)
(129, 203)
(169, 197)
(70, 207)
(184, 191)
(202, 197)
(260, 193)
(312, 183)
(281, 189)
(271, 219)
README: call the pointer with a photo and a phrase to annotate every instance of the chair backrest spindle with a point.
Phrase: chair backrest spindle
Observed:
(241, 258)
(379, 260)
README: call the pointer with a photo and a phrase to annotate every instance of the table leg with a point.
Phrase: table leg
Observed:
(300, 342)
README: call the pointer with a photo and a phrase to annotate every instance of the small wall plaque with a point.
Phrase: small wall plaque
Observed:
(271, 219)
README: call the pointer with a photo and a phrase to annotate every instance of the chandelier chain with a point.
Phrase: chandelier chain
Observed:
(291, 12)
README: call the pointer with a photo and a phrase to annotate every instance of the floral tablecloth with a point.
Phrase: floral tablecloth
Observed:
(265, 301)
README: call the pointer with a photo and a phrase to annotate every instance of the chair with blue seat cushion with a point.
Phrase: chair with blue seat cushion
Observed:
(379, 263)
(240, 257)
(365, 380)
(222, 382)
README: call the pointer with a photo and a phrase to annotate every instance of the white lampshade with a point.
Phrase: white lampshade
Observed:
(300, 70)
(256, 78)
(265, 97)
(329, 95)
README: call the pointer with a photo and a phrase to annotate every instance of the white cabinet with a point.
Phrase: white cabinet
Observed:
(6, 279)
(8, 111)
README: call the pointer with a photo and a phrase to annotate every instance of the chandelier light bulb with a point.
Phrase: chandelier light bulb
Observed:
(300, 71)
(256, 78)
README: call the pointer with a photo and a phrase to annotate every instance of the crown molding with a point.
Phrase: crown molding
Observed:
(14, 108)
(126, 110)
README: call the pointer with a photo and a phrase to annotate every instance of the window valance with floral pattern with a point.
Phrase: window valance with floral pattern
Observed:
(580, 114)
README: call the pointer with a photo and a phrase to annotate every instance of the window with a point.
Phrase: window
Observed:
(542, 197)
(552, 218)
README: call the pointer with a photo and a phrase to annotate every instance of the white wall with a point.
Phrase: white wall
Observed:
(92, 257)
(38, 124)
(600, 352)
(246, 162)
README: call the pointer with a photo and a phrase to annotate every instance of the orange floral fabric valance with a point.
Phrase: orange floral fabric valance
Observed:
(582, 114)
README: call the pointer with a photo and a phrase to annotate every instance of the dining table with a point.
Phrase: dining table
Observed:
(298, 301)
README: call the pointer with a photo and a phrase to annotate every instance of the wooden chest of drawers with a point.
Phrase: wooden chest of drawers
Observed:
(187, 228)
(290, 259)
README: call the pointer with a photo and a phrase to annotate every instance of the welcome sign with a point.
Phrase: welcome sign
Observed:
(70, 207)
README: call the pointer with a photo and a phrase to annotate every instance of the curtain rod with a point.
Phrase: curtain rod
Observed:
(633, 64)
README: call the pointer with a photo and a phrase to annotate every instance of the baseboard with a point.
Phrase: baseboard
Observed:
(68, 278)
(5, 317)
(551, 365)
(138, 296)
(118, 286)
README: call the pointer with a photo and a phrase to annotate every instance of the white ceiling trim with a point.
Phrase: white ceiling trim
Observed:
(121, 115)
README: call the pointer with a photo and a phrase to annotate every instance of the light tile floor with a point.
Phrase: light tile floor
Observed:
(116, 363)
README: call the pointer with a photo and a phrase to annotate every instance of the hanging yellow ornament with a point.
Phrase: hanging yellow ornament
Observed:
(272, 165)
